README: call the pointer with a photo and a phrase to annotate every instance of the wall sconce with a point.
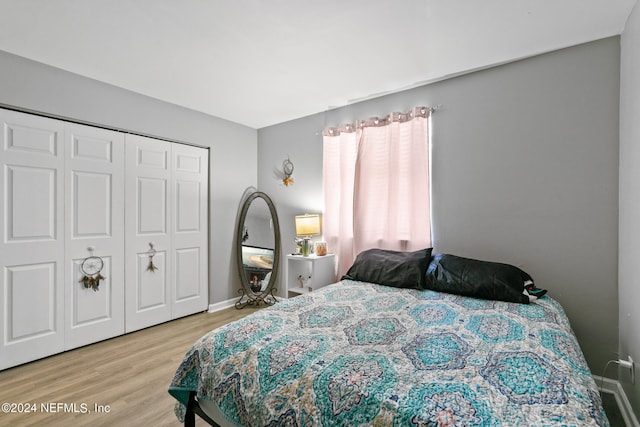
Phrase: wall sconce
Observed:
(307, 226)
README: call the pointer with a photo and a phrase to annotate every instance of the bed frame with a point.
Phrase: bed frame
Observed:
(192, 409)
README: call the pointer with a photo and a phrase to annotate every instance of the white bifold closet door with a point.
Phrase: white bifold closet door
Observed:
(31, 238)
(94, 220)
(69, 191)
(62, 191)
(190, 292)
(166, 238)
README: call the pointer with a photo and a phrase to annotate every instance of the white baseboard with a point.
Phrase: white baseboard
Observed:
(607, 385)
(222, 305)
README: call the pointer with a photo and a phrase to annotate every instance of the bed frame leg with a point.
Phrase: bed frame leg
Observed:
(190, 416)
(192, 409)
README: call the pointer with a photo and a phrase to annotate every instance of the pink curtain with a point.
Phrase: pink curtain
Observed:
(376, 185)
(339, 153)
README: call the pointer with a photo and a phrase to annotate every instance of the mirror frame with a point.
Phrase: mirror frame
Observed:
(249, 297)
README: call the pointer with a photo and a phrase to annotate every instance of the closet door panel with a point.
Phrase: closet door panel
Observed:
(187, 274)
(31, 237)
(31, 296)
(188, 206)
(151, 204)
(94, 202)
(93, 313)
(148, 215)
(190, 230)
(31, 201)
(152, 287)
(27, 135)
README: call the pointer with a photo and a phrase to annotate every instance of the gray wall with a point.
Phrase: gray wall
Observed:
(525, 171)
(33, 86)
(300, 141)
(629, 291)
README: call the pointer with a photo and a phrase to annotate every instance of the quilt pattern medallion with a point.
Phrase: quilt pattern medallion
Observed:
(360, 354)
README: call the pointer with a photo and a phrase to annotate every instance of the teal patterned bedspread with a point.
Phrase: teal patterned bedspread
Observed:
(356, 353)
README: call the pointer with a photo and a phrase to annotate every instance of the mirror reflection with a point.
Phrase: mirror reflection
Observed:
(258, 243)
(258, 240)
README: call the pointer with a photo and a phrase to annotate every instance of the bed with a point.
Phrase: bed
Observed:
(361, 353)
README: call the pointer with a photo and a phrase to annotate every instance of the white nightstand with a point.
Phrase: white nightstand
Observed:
(315, 271)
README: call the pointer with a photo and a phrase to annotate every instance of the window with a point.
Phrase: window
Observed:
(376, 185)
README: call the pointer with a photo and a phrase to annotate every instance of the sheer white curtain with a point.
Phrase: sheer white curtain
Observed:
(376, 185)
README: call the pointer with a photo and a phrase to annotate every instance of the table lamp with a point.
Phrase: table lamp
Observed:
(306, 226)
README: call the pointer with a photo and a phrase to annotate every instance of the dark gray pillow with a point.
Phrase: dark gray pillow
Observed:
(391, 268)
(475, 278)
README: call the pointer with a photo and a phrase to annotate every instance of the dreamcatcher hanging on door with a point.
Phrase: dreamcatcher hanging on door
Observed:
(151, 253)
(91, 268)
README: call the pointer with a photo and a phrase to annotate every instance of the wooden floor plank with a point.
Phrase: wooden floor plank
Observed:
(129, 375)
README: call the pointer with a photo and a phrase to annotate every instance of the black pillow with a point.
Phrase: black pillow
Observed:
(475, 278)
(391, 268)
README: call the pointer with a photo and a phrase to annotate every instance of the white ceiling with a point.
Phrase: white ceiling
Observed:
(262, 62)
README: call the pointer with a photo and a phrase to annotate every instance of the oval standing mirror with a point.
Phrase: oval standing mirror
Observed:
(258, 250)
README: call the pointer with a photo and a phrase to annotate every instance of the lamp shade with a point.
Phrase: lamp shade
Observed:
(307, 225)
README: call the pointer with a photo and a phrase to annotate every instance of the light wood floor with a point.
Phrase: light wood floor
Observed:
(130, 375)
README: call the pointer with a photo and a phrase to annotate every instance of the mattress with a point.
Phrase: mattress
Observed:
(357, 353)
